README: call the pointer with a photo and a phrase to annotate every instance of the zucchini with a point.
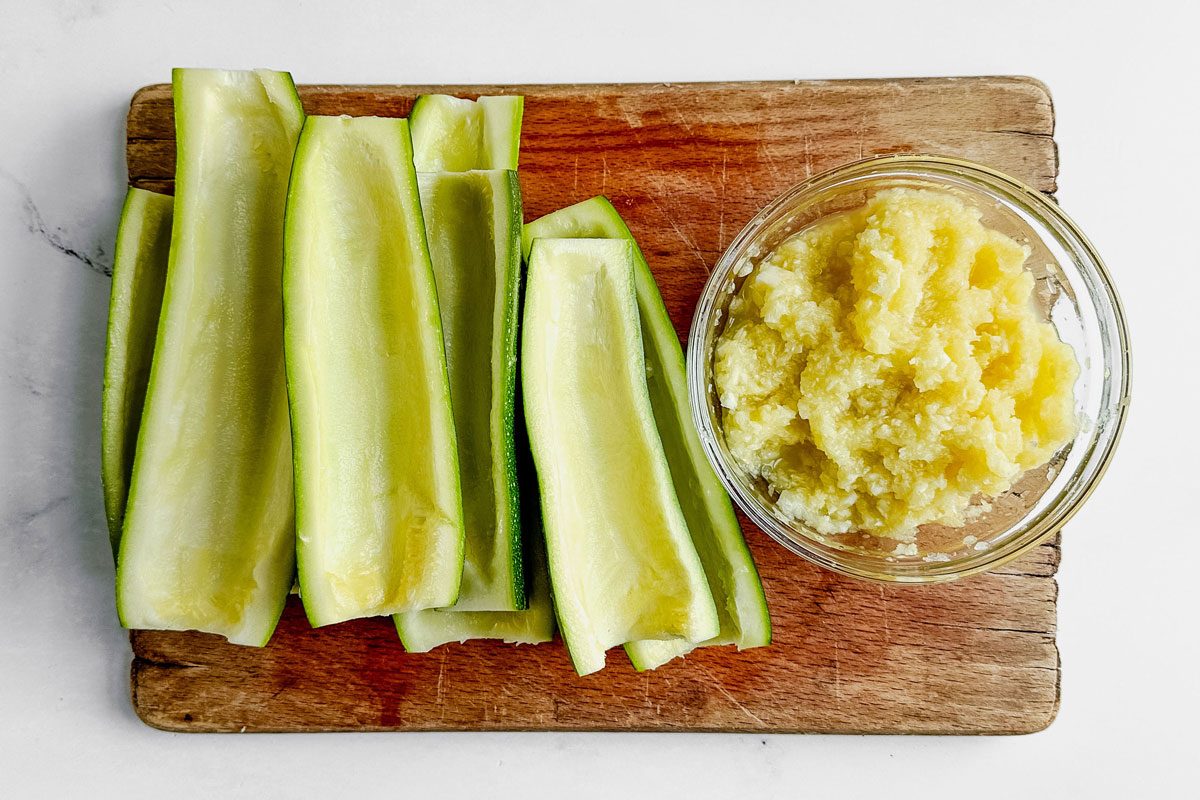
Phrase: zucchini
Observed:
(473, 222)
(454, 135)
(208, 539)
(139, 271)
(379, 525)
(732, 577)
(622, 564)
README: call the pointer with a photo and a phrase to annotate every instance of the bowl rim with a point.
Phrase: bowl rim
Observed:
(1106, 301)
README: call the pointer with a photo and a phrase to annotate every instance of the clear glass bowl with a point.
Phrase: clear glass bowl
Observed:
(1073, 290)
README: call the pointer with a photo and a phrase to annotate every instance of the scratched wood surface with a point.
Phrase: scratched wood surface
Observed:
(687, 165)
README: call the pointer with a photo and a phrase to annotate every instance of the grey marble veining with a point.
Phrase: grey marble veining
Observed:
(58, 212)
(97, 258)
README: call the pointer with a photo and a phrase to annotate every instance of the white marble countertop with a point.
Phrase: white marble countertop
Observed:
(1124, 84)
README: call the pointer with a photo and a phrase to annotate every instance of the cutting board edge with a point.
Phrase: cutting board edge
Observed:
(1023, 80)
(166, 724)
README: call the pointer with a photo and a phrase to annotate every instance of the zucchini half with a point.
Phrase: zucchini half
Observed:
(451, 134)
(622, 563)
(208, 539)
(473, 220)
(379, 524)
(139, 272)
(732, 577)
(473, 223)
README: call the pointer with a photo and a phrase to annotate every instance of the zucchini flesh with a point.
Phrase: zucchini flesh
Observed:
(379, 526)
(732, 577)
(139, 271)
(451, 134)
(502, 116)
(622, 563)
(473, 223)
(208, 539)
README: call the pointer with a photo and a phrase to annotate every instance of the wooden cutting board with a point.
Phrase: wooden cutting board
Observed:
(687, 165)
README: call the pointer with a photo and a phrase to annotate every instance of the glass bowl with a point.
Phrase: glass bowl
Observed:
(1075, 294)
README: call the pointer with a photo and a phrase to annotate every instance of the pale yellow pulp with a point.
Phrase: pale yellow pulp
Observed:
(886, 365)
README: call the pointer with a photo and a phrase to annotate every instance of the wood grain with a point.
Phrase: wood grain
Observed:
(687, 165)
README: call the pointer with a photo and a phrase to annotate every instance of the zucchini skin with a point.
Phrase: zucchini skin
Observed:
(733, 577)
(139, 272)
(208, 538)
(378, 499)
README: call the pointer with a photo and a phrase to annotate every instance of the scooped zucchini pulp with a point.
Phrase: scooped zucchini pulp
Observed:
(312, 367)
